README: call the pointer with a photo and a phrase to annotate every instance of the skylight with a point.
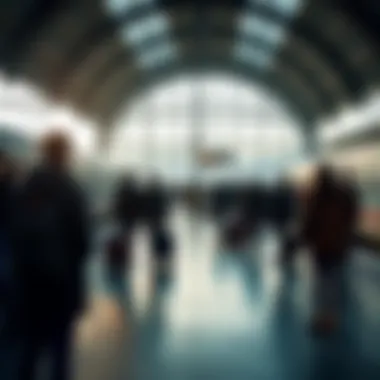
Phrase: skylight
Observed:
(117, 7)
(252, 56)
(157, 56)
(144, 29)
(286, 7)
(252, 25)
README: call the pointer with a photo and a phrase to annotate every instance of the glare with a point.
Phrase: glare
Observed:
(352, 119)
(29, 115)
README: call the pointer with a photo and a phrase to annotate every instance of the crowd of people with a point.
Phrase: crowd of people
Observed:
(46, 235)
(320, 216)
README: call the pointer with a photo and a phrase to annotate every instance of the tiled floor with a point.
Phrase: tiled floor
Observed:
(224, 316)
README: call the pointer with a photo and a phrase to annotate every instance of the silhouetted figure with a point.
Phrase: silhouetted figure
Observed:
(127, 212)
(127, 204)
(52, 244)
(7, 190)
(156, 206)
(328, 230)
(283, 215)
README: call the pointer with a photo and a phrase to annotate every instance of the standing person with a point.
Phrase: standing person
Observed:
(127, 212)
(328, 232)
(127, 204)
(6, 204)
(52, 244)
(284, 213)
(156, 206)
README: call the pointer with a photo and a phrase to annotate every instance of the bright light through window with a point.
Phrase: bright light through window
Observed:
(159, 135)
(352, 119)
(28, 114)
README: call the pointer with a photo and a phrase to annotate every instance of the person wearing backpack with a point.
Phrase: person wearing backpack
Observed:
(328, 231)
(52, 244)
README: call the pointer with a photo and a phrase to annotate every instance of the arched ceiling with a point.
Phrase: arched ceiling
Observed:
(315, 55)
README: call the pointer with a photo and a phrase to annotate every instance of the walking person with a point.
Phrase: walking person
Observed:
(328, 230)
(50, 255)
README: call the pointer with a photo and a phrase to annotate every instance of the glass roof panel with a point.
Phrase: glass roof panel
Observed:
(287, 7)
(116, 7)
(158, 56)
(143, 29)
(256, 26)
(248, 54)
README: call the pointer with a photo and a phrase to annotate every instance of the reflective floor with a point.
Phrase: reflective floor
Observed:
(224, 315)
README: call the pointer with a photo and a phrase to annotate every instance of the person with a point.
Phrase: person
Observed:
(284, 212)
(156, 207)
(328, 229)
(52, 245)
(127, 204)
(7, 187)
(127, 212)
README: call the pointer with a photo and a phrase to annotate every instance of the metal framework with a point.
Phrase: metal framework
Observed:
(204, 33)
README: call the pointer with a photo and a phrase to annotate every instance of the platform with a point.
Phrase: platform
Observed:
(225, 316)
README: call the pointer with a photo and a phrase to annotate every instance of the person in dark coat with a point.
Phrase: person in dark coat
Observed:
(283, 215)
(155, 205)
(127, 213)
(50, 255)
(328, 231)
(156, 210)
(127, 204)
(7, 190)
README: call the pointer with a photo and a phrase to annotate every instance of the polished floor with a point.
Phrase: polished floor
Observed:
(223, 315)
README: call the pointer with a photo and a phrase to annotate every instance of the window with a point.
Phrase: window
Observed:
(157, 56)
(286, 7)
(253, 56)
(144, 29)
(252, 25)
(226, 123)
(117, 7)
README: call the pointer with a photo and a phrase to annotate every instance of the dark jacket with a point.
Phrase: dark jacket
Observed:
(51, 288)
(127, 205)
(155, 206)
(330, 220)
